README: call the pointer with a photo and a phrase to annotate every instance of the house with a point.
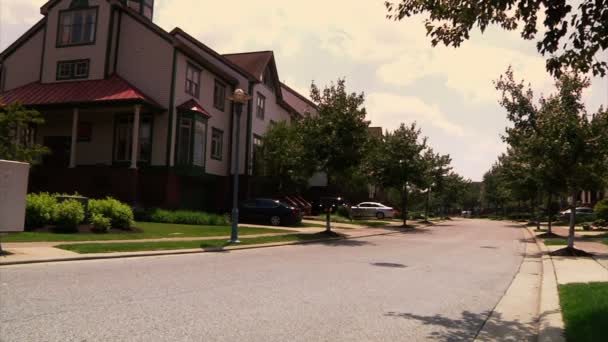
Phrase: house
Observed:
(136, 112)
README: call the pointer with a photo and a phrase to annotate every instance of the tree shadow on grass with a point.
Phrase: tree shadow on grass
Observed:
(468, 326)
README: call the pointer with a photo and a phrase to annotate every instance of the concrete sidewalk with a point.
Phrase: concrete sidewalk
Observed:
(515, 317)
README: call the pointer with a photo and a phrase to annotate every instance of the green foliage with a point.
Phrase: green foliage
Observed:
(601, 209)
(101, 224)
(344, 211)
(120, 214)
(17, 125)
(187, 217)
(573, 39)
(283, 155)
(334, 140)
(67, 215)
(39, 209)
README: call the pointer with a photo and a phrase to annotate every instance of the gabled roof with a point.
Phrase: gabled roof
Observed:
(178, 31)
(111, 90)
(296, 100)
(21, 40)
(253, 62)
(193, 106)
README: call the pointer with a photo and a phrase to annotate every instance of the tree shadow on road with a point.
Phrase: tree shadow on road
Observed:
(346, 243)
(468, 326)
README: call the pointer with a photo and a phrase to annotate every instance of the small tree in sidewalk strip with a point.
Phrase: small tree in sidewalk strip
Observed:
(334, 140)
(17, 126)
(397, 161)
(559, 139)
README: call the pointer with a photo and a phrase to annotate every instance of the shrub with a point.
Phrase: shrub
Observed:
(101, 224)
(120, 214)
(68, 214)
(601, 223)
(344, 211)
(39, 209)
(187, 217)
(601, 209)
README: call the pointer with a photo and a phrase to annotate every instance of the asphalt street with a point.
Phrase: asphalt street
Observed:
(438, 284)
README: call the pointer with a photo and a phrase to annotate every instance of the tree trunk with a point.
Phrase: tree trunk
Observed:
(572, 219)
(426, 205)
(549, 213)
(328, 220)
(536, 211)
(404, 206)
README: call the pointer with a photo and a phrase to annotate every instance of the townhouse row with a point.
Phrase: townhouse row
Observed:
(139, 113)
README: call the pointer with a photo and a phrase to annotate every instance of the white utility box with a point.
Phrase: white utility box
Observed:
(13, 189)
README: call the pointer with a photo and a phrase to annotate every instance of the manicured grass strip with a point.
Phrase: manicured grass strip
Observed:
(86, 248)
(149, 231)
(585, 311)
(555, 242)
(309, 225)
(360, 222)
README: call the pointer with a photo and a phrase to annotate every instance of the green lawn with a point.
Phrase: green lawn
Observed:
(85, 248)
(555, 242)
(309, 225)
(149, 231)
(585, 311)
(361, 222)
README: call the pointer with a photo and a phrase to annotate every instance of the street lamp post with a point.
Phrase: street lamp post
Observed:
(239, 98)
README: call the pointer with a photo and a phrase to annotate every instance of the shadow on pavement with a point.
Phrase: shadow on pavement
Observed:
(345, 243)
(468, 326)
(388, 264)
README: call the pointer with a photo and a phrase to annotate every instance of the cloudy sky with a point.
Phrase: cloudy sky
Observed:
(447, 91)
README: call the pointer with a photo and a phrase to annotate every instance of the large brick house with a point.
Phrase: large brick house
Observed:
(136, 112)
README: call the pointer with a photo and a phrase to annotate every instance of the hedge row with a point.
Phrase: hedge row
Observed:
(187, 217)
(44, 209)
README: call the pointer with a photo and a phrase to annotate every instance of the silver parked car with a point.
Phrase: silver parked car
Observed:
(580, 211)
(372, 209)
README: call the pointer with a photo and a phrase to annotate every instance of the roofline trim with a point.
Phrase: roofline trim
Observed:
(25, 37)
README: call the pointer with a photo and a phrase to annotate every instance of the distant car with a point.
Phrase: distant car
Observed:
(466, 213)
(373, 209)
(319, 206)
(269, 211)
(579, 211)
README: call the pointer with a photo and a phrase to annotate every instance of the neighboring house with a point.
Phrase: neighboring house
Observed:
(133, 111)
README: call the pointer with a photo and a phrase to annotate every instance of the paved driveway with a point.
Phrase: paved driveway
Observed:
(438, 284)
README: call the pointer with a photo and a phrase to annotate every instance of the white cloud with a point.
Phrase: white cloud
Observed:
(389, 111)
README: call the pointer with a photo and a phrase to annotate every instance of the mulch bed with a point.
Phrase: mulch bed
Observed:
(571, 252)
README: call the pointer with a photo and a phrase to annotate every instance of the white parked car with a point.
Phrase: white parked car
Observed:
(372, 209)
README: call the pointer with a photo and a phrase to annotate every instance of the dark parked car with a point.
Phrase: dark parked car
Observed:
(269, 211)
(319, 206)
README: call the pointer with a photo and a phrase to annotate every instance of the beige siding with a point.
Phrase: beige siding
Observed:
(146, 60)
(23, 66)
(95, 52)
(220, 120)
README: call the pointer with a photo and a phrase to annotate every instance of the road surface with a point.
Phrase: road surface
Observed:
(438, 284)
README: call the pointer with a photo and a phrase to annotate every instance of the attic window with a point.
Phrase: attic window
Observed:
(143, 7)
(77, 26)
(267, 79)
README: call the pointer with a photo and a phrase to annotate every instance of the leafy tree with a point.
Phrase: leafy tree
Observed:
(561, 135)
(335, 138)
(397, 161)
(283, 155)
(436, 169)
(17, 125)
(574, 38)
(494, 194)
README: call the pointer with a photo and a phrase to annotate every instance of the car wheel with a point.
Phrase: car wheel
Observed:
(275, 220)
(379, 216)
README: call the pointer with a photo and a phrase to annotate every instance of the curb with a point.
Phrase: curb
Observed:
(550, 322)
(187, 251)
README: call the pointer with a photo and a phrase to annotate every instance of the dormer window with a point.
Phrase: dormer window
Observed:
(268, 79)
(143, 7)
(77, 26)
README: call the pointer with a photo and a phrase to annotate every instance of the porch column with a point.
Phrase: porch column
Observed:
(74, 138)
(135, 142)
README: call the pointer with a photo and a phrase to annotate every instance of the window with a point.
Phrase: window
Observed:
(143, 7)
(267, 79)
(77, 26)
(183, 145)
(123, 139)
(258, 146)
(193, 80)
(191, 140)
(217, 138)
(219, 95)
(260, 106)
(68, 70)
